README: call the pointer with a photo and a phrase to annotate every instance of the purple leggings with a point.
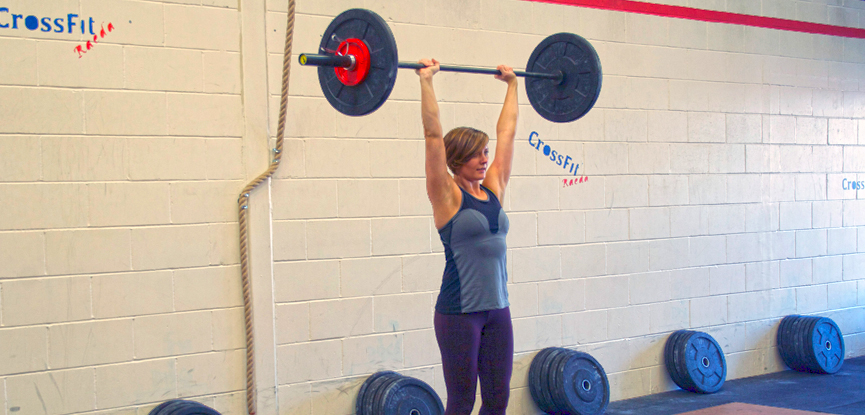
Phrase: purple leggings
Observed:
(476, 345)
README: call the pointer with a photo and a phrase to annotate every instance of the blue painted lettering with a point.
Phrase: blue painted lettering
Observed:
(32, 22)
(555, 156)
(852, 184)
(44, 24)
(71, 22)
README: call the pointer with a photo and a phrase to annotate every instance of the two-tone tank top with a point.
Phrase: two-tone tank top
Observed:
(475, 276)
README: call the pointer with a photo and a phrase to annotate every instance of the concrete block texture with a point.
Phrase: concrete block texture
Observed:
(292, 322)
(56, 300)
(25, 161)
(91, 250)
(537, 264)
(220, 27)
(308, 280)
(369, 353)
(396, 313)
(25, 214)
(561, 296)
(204, 374)
(90, 343)
(651, 287)
(161, 69)
(24, 254)
(708, 311)
(535, 333)
(715, 158)
(55, 392)
(606, 292)
(401, 236)
(297, 365)
(354, 237)
(24, 350)
(559, 228)
(170, 247)
(125, 113)
(43, 111)
(173, 334)
(340, 318)
(607, 225)
(224, 291)
(77, 159)
(135, 383)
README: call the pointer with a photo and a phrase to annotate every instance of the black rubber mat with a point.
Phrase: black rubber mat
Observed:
(842, 393)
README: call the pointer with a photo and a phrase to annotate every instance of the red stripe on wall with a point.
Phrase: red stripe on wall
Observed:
(713, 16)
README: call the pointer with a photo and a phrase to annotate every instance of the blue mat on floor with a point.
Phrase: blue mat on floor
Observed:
(842, 393)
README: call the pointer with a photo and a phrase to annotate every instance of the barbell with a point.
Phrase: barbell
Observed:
(357, 65)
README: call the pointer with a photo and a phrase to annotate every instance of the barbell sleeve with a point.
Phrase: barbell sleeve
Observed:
(335, 61)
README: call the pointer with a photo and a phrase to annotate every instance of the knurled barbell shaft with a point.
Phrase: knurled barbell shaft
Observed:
(469, 69)
(345, 62)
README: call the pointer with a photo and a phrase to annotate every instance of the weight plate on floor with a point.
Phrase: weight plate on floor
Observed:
(536, 376)
(795, 359)
(386, 389)
(798, 348)
(669, 347)
(194, 408)
(410, 396)
(547, 381)
(705, 363)
(679, 348)
(364, 393)
(556, 379)
(182, 407)
(376, 391)
(367, 96)
(782, 340)
(828, 346)
(584, 386)
(808, 345)
(577, 92)
(790, 342)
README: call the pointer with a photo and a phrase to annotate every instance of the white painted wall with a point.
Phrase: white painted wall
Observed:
(715, 156)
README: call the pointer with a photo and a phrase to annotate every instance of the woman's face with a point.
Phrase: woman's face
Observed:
(476, 168)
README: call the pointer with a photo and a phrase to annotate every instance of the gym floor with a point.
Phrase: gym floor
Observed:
(782, 393)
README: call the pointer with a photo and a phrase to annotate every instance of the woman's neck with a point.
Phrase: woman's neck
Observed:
(473, 187)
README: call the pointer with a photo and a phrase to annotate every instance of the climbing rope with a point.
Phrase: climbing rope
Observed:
(243, 204)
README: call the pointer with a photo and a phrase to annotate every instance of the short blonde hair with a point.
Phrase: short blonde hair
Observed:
(463, 143)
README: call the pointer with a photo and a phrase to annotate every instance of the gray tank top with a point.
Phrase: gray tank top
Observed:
(475, 276)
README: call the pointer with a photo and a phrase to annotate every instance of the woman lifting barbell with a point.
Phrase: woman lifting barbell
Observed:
(472, 318)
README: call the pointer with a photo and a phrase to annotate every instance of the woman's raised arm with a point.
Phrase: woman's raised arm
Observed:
(439, 185)
(506, 129)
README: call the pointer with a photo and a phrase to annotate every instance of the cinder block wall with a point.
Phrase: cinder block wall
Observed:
(715, 156)
(119, 171)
